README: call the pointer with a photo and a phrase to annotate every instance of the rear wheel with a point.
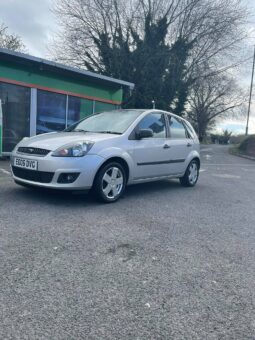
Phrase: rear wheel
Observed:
(110, 182)
(191, 175)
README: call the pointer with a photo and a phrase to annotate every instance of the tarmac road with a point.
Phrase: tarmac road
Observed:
(164, 262)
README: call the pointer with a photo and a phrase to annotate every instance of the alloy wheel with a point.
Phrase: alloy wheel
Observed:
(193, 173)
(112, 182)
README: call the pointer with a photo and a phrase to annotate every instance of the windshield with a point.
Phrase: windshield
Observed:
(115, 122)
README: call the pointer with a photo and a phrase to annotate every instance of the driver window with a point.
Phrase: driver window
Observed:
(155, 122)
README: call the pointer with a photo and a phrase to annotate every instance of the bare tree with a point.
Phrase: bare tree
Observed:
(215, 29)
(211, 27)
(114, 37)
(211, 98)
(10, 41)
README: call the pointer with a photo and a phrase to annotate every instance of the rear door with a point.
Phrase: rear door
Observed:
(150, 155)
(180, 145)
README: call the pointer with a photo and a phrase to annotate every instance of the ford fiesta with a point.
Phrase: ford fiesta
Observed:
(107, 151)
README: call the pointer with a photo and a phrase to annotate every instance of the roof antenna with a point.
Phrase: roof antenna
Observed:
(153, 104)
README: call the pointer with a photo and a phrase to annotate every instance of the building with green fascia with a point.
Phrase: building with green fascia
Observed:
(39, 96)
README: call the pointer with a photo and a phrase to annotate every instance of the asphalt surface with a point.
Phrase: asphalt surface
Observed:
(165, 262)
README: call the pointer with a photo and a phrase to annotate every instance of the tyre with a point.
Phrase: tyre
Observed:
(110, 182)
(191, 174)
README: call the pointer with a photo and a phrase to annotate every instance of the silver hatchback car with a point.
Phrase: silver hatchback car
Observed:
(107, 151)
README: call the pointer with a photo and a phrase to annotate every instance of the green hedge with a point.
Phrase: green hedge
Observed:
(247, 146)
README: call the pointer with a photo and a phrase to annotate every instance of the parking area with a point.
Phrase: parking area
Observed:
(164, 262)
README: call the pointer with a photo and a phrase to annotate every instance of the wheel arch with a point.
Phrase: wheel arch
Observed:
(193, 155)
(117, 159)
(198, 161)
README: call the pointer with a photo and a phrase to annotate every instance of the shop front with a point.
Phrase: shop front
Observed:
(39, 96)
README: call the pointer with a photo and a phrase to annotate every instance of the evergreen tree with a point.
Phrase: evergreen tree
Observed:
(157, 69)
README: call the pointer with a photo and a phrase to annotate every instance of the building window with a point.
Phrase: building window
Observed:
(16, 114)
(51, 112)
(78, 108)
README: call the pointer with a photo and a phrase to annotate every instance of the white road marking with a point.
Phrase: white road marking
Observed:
(5, 171)
(202, 170)
(234, 164)
(226, 176)
(206, 149)
(248, 169)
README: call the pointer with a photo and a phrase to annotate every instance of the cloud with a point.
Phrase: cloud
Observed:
(32, 20)
(237, 126)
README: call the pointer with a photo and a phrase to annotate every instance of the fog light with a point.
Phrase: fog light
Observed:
(68, 177)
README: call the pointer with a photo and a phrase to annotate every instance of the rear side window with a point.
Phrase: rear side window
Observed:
(155, 122)
(177, 129)
(190, 129)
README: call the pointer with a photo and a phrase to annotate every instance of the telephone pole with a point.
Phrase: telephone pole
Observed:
(249, 106)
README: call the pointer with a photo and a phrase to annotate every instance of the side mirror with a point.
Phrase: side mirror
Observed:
(144, 133)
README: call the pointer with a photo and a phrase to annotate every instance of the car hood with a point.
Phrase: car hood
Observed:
(54, 140)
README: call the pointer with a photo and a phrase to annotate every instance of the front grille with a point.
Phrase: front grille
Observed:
(33, 175)
(33, 151)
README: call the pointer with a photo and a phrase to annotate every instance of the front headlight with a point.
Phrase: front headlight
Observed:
(78, 149)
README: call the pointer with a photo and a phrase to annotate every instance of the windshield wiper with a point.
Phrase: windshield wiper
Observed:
(79, 130)
(110, 132)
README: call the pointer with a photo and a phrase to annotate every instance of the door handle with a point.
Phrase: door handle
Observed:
(166, 146)
(189, 144)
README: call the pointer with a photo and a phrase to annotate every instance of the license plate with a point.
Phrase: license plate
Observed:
(25, 163)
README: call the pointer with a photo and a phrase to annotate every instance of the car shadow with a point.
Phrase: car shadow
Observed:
(59, 198)
(151, 188)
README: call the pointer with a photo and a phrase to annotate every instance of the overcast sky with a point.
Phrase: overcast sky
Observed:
(33, 21)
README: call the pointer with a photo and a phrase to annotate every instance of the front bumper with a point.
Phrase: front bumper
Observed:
(86, 166)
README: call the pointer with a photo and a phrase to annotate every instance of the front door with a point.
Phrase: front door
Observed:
(16, 114)
(150, 155)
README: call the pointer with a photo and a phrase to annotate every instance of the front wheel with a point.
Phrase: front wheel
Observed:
(191, 174)
(110, 182)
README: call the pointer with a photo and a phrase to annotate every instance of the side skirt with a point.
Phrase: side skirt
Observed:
(153, 178)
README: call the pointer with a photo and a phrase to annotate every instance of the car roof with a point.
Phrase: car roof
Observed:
(142, 111)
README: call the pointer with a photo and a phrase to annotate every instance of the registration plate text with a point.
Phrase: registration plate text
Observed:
(25, 163)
